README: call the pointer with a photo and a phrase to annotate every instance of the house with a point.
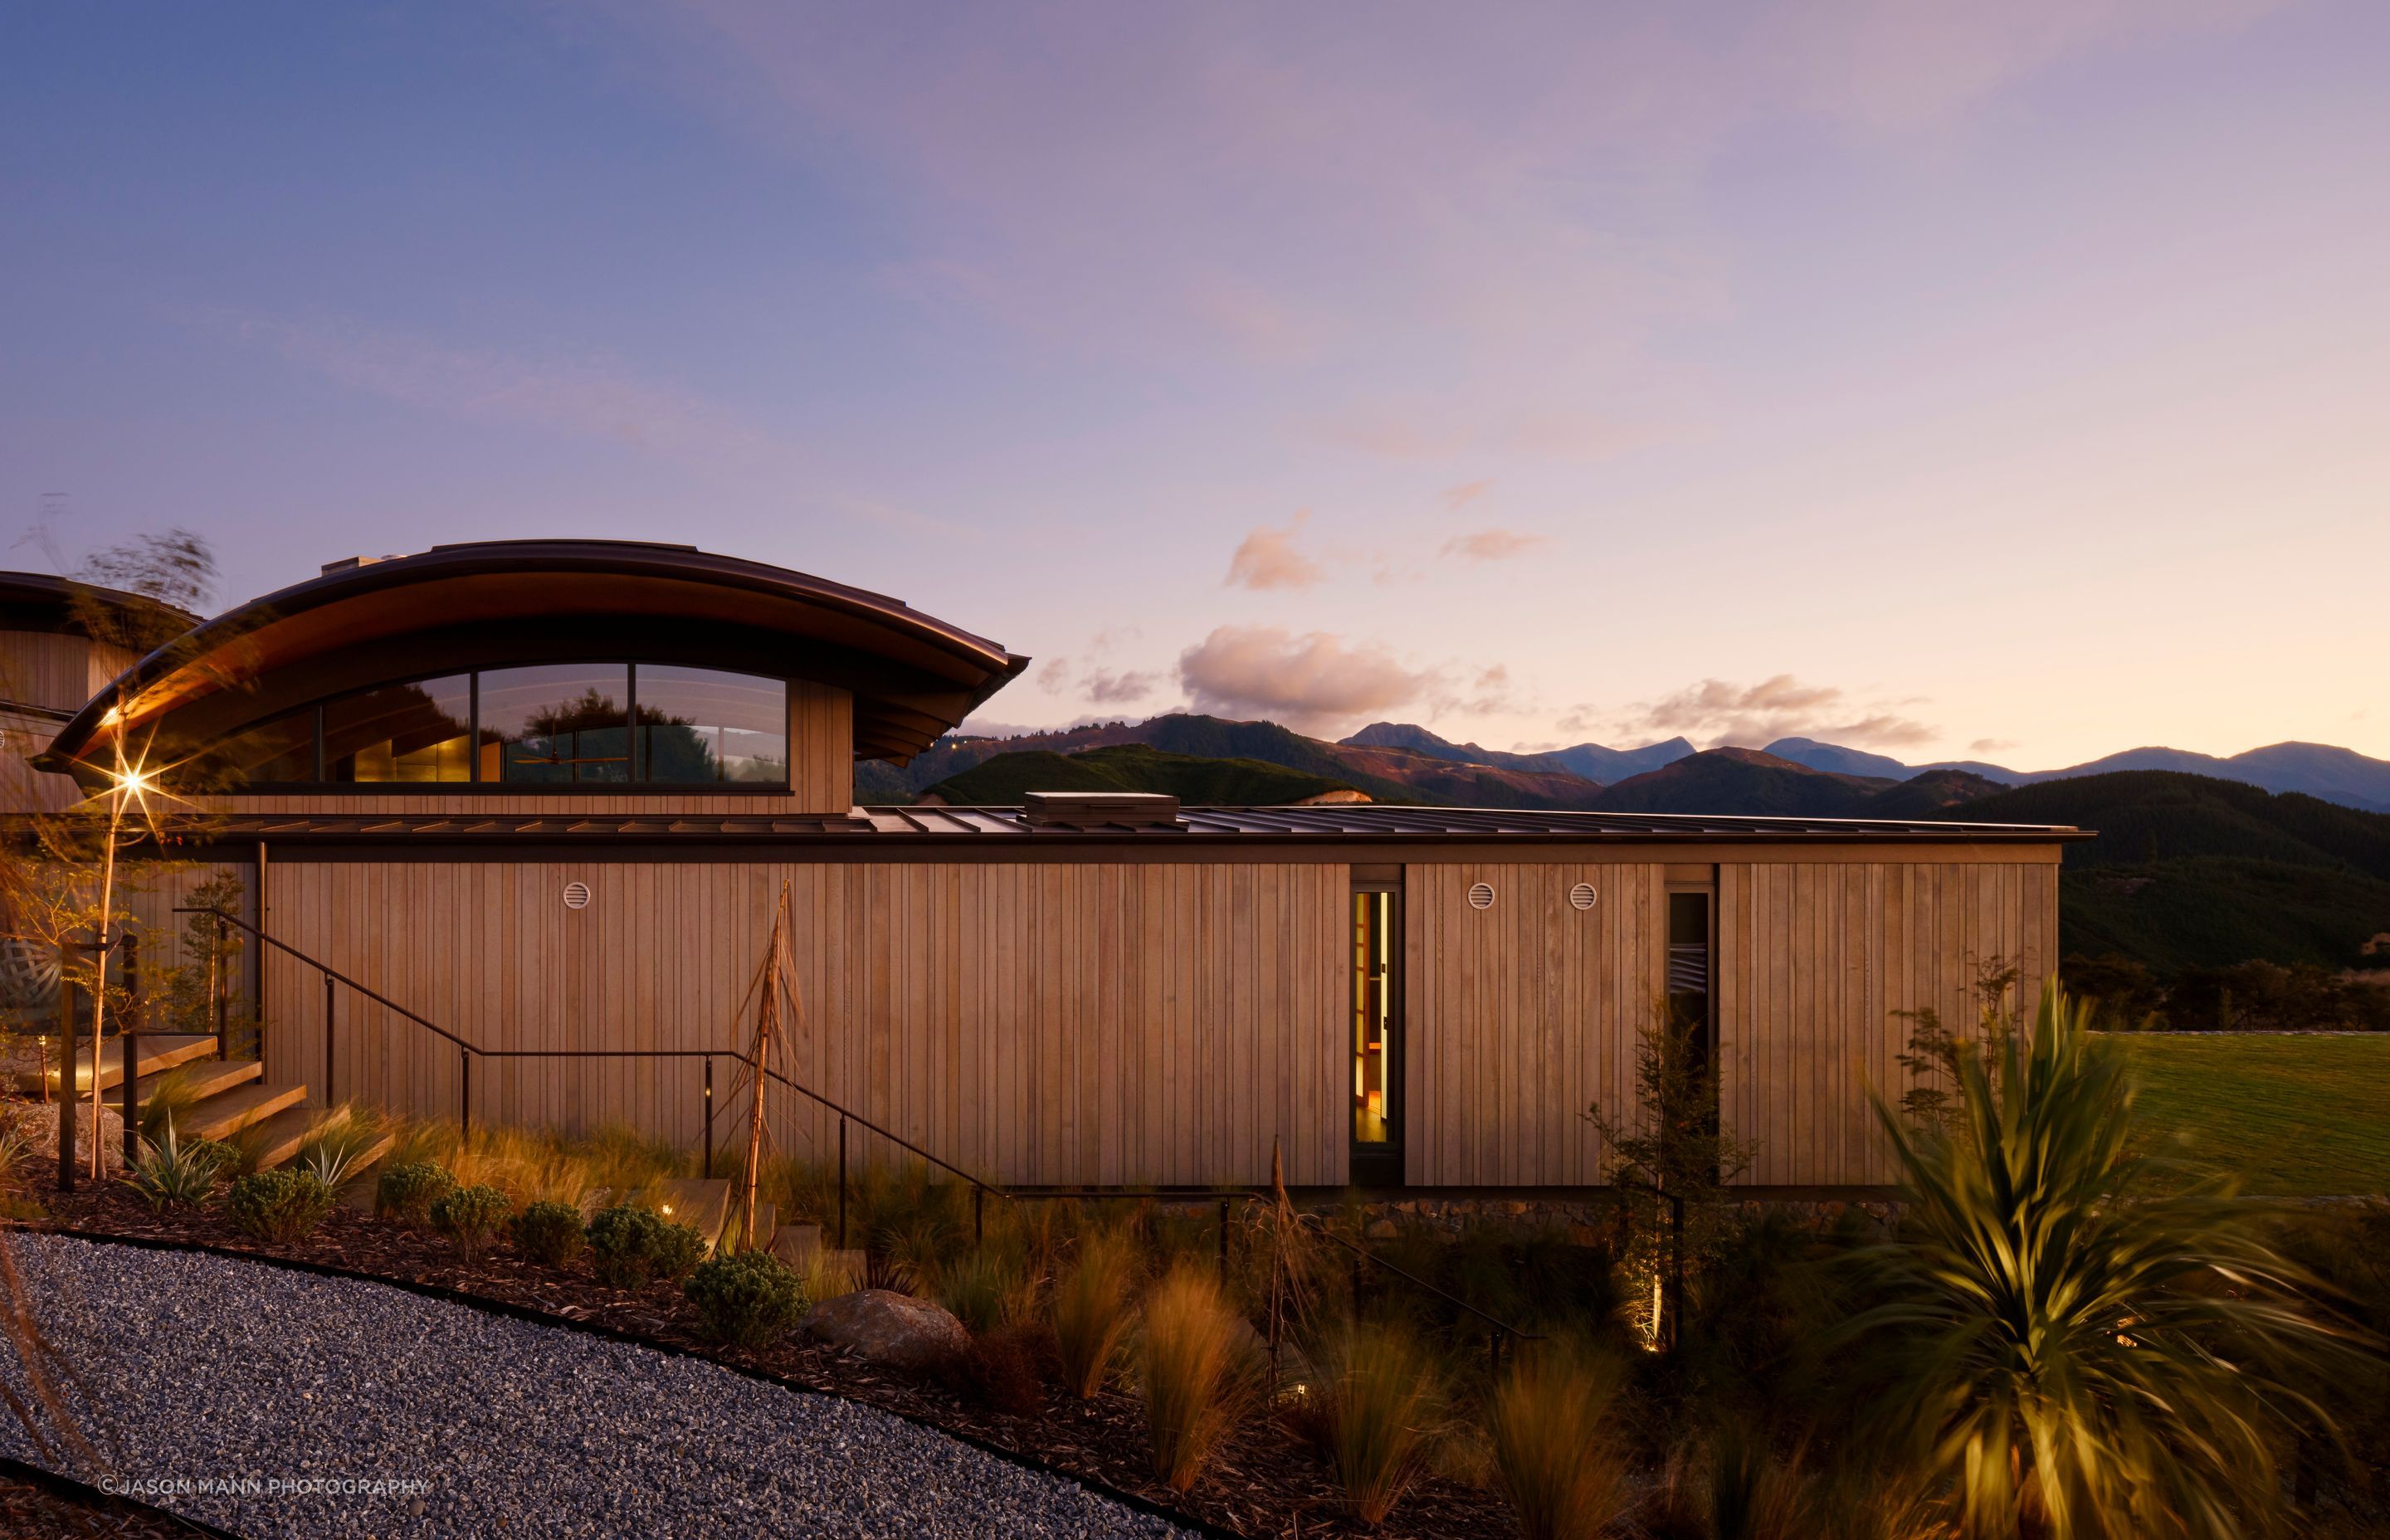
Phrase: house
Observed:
(546, 795)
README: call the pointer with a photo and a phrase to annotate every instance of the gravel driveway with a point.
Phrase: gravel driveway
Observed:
(399, 1416)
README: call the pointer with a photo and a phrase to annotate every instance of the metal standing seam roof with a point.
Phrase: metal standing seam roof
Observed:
(1350, 823)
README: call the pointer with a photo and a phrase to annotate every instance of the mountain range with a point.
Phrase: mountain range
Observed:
(1404, 763)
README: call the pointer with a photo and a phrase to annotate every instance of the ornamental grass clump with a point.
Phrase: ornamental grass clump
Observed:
(278, 1205)
(171, 1173)
(338, 1148)
(629, 1246)
(1197, 1371)
(1551, 1454)
(1091, 1312)
(549, 1232)
(745, 1299)
(406, 1192)
(472, 1218)
(1368, 1414)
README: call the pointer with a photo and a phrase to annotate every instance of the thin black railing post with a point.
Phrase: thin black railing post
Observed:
(1223, 1241)
(129, 1093)
(979, 1215)
(709, 1117)
(1676, 1268)
(841, 1184)
(465, 1091)
(328, 987)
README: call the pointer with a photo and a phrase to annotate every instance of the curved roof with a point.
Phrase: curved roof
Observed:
(39, 601)
(504, 602)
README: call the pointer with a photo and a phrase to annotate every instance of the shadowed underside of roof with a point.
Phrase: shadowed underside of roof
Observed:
(531, 601)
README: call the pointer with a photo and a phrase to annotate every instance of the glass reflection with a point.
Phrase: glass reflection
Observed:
(417, 732)
(700, 726)
(556, 724)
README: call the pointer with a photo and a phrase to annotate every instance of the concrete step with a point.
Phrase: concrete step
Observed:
(277, 1140)
(161, 1051)
(795, 1244)
(221, 1116)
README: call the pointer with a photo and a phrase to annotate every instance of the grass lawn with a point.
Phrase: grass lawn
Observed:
(2296, 1116)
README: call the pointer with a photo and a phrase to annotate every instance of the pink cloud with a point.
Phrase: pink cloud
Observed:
(1267, 558)
(1313, 683)
(1717, 713)
(1492, 544)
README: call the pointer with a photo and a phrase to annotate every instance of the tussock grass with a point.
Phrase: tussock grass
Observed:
(1370, 1412)
(1092, 1310)
(1197, 1371)
(610, 1166)
(1552, 1453)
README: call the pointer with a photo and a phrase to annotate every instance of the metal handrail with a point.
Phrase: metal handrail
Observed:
(981, 1187)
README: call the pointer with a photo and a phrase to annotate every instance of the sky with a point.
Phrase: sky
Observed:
(1949, 380)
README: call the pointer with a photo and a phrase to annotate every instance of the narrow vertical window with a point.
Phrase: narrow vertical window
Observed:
(1689, 970)
(1373, 1020)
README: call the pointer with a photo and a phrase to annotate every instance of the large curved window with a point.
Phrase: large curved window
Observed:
(552, 725)
(562, 724)
(701, 725)
(417, 732)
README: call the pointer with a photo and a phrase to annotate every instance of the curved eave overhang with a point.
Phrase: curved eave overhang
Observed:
(38, 601)
(913, 677)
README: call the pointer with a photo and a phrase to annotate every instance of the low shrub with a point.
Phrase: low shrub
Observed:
(1550, 1449)
(1091, 1313)
(629, 1246)
(278, 1205)
(549, 1232)
(406, 1192)
(171, 1174)
(471, 1217)
(745, 1299)
(1196, 1370)
(1367, 1415)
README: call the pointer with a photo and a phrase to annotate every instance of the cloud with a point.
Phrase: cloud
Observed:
(1104, 687)
(1990, 745)
(1717, 713)
(1485, 693)
(1268, 559)
(1460, 495)
(1054, 674)
(1313, 683)
(1492, 544)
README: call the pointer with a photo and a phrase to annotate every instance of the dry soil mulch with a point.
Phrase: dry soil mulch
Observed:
(1263, 1485)
(27, 1509)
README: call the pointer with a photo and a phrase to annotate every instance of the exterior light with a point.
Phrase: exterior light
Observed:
(134, 781)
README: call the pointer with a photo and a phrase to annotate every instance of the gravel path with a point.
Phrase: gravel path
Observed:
(478, 1425)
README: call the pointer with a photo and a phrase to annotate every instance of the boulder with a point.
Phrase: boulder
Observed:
(36, 1123)
(890, 1329)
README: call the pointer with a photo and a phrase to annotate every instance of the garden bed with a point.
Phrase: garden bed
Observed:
(1261, 1483)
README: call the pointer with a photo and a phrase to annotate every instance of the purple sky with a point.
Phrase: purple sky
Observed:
(1946, 379)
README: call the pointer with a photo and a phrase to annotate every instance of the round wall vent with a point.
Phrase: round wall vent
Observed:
(1481, 896)
(577, 895)
(1583, 896)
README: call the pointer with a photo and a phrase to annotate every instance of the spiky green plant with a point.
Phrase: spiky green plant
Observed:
(2080, 1351)
(173, 1172)
(337, 1148)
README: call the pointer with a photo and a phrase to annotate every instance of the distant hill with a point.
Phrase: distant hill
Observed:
(2340, 776)
(1833, 757)
(1589, 761)
(1386, 774)
(1001, 780)
(1741, 781)
(1934, 794)
(2192, 871)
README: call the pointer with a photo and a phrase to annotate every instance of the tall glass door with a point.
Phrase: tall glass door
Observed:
(1376, 1035)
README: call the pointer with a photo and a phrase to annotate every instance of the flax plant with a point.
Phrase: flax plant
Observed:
(2078, 1351)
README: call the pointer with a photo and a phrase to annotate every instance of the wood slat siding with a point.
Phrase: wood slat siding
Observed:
(821, 779)
(1813, 963)
(1520, 1017)
(1041, 1023)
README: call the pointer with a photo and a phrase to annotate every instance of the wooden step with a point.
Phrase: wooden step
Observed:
(161, 1051)
(206, 1079)
(221, 1117)
(795, 1244)
(277, 1140)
